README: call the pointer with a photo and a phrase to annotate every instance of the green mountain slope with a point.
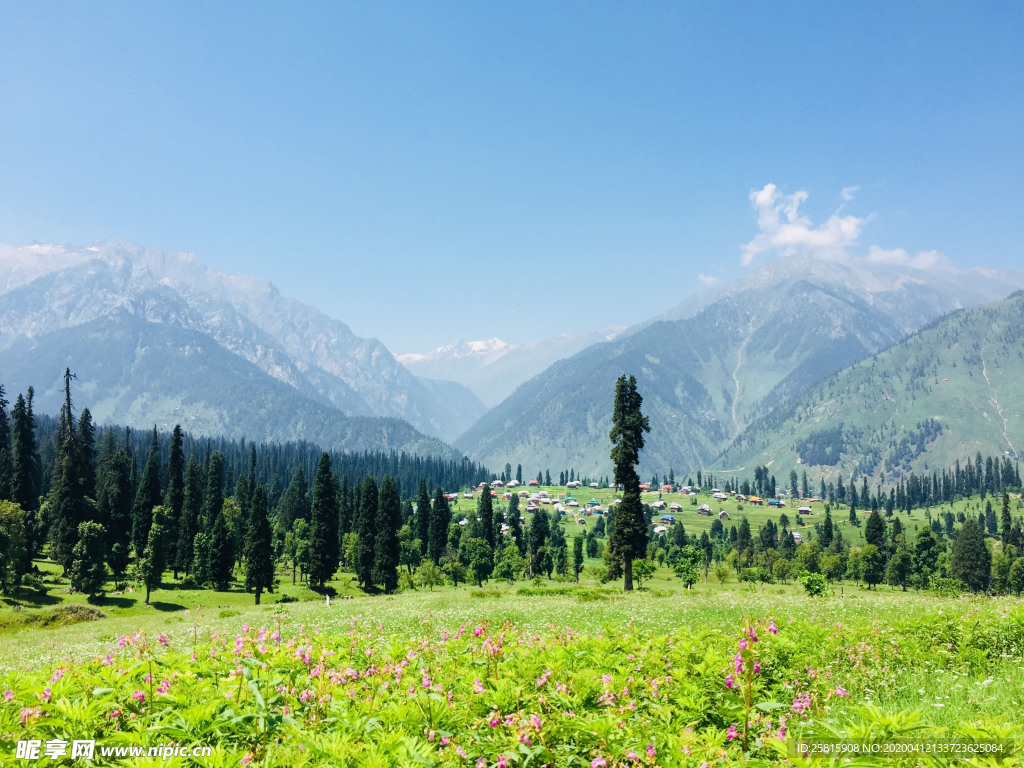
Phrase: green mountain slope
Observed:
(946, 393)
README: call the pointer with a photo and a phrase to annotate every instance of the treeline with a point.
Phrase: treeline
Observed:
(209, 509)
(941, 556)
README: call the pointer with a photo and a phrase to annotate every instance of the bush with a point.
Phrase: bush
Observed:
(815, 584)
(287, 599)
(947, 587)
(759, 575)
(227, 613)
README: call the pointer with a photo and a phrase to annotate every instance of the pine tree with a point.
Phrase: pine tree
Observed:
(991, 524)
(114, 505)
(86, 454)
(440, 517)
(485, 511)
(629, 536)
(387, 550)
(26, 467)
(294, 504)
(222, 552)
(323, 525)
(874, 530)
(970, 560)
(1006, 532)
(577, 558)
(515, 527)
(259, 556)
(6, 462)
(88, 572)
(147, 496)
(423, 515)
(826, 530)
(346, 513)
(191, 515)
(175, 497)
(66, 502)
(367, 529)
(153, 561)
(559, 548)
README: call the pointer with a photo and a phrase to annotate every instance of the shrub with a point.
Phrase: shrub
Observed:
(815, 584)
(759, 575)
(947, 587)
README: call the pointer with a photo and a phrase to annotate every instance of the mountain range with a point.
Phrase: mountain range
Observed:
(493, 369)
(713, 366)
(158, 337)
(777, 367)
(949, 392)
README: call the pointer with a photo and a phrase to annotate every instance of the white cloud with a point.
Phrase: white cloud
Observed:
(847, 193)
(920, 260)
(707, 279)
(786, 231)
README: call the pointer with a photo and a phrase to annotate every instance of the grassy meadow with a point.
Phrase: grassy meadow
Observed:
(540, 672)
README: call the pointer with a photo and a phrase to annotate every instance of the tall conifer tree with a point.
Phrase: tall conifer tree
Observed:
(386, 545)
(323, 528)
(485, 511)
(6, 462)
(147, 497)
(191, 512)
(423, 515)
(175, 496)
(629, 536)
(67, 503)
(259, 558)
(367, 530)
(440, 518)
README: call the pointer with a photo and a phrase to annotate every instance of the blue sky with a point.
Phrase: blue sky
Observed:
(425, 171)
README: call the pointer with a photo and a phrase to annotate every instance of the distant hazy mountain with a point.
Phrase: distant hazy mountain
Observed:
(492, 369)
(707, 373)
(950, 391)
(61, 296)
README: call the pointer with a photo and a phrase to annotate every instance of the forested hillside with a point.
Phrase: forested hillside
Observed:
(951, 392)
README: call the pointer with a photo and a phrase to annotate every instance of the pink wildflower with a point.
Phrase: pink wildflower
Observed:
(650, 751)
(737, 662)
(461, 752)
(478, 630)
(729, 682)
(731, 733)
(247, 759)
(165, 686)
(840, 691)
(478, 687)
(45, 695)
(481, 762)
(743, 643)
(426, 681)
(162, 639)
(535, 721)
(8, 695)
(139, 696)
(773, 629)
(757, 667)
(598, 762)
